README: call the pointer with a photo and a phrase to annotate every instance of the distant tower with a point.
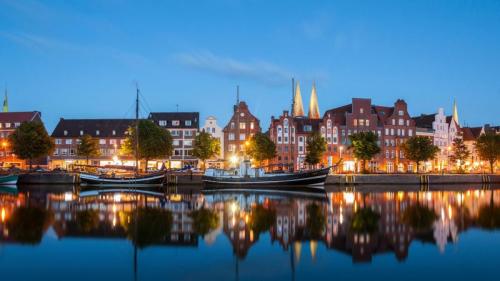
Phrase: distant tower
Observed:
(5, 103)
(313, 104)
(455, 112)
(298, 107)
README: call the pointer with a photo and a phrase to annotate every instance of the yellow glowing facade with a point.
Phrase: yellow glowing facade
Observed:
(298, 107)
(313, 104)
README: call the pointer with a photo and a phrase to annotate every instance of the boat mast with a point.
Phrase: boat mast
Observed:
(137, 130)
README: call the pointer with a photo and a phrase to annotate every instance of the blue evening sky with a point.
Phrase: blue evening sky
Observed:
(81, 59)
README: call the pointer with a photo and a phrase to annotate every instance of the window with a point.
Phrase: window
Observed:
(58, 141)
(72, 152)
(188, 133)
(301, 139)
(7, 125)
(242, 125)
(188, 142)
(242, 137)
(401, 113)
(279, 139)
(69, 141)
(187, 123)
(176, 142)
(252, 125)
(393, 121)
(386, 131)
(113, 133)
(232, 125)
(307, 128)
(56, 152)
(97, 132)
(367, 122)
(410, 132)
(355, 122)
(176, 122)
(408, 123)
(361, 122)
(392, 132)
(65, 132)
(102, 141)
(230, 136)
(17, 124)
(163, 123)
(387, 154)
(64, 151)
(361, 110)
(81, 132)
(112, 141)
(401, 122)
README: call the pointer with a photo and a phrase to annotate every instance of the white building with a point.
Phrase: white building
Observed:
(213, 129)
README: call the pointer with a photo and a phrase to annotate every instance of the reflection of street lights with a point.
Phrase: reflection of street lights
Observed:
(4, 147)
(340, 157)
(448, 149)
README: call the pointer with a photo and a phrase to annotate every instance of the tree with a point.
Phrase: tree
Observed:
(364, 146)
(460, 153)
(419, 149)
(149, 226)
(88, 147)
(365, 220)
(204, 221)
(205, 147)
(315, 223)
(28, 224)
(260, 147)
(488, 147)
(154, 142)
(30, 141)
(316, 147)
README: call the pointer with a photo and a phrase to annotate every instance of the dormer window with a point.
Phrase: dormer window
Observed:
(400, 113)
(163, 123)
(361, 110)
(97, 132)
(187, 123)
(176, 123)
(114, 133)
(65, 132)
(81, 132)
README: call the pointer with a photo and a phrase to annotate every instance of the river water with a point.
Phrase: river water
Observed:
(188, 234)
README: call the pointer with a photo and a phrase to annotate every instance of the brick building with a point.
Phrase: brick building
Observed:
(183, 126)
(9, 121)
(240, 128)
(111, 134)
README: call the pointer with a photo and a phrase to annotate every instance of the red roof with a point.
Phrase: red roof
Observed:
(19, 116)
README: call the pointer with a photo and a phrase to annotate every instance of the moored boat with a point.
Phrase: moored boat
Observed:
(156, 179)
(8, 179)
(249, 177)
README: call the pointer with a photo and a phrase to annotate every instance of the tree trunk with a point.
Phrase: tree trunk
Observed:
(146, 167)
(491, 166)
(363, 163)
(418, 167)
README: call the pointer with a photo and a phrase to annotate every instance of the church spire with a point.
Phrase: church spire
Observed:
(298, 107)
(313, 104)
(455, 111)
(5, 102)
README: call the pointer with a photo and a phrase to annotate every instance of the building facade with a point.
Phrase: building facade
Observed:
(183, 126)
(111, 134)
(240, 128)
(216, 132)
(9, 122)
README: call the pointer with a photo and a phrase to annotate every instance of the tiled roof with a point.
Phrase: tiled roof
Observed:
(424, 120)
(301, 122)
(73, 128)
(178, 116)
(19, 116)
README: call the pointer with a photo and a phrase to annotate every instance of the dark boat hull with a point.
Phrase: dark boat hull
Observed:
(145, 181)
(312, 179)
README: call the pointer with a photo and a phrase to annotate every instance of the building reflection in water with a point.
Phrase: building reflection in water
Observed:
(299, 224)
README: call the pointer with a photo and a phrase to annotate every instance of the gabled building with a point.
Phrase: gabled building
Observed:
(111, 134)
(9, 122)
(183, 126)
(216, 132)
(240, 128)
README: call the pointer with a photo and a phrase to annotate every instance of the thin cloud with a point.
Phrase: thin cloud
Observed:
(261, 71)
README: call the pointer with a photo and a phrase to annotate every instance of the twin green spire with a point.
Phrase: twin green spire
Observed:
(5, 103)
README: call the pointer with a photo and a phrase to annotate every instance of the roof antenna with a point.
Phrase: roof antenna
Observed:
(237, 94)
(293, 96)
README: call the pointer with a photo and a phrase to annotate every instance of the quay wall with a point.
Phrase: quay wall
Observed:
(413, 179)
(48, 179)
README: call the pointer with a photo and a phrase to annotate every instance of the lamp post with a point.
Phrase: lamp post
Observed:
(340, 157)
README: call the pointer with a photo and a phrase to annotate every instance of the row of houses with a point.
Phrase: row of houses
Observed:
(290, 131)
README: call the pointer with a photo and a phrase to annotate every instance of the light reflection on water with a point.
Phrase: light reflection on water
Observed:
(244, 235)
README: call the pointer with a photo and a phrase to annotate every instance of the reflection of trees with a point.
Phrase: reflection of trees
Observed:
(419, 217)
(87, 220)
(149, 226)
(262, 219)
(315, 221)
(28, 224)
(489, 217)
(365, 220)
(204, 221)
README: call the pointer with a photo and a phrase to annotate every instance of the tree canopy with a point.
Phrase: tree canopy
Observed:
(364, 146)
(30, 141)
(316, 147)
(418, 149)
(488, 148)
(205, 146)
(154, 142)
(204, 221)
(88, 147)
(260, 147)
(460, 153)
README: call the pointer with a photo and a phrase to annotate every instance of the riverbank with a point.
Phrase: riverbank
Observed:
(343, 179)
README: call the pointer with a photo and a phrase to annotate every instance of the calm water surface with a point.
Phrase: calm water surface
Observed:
(215, 235)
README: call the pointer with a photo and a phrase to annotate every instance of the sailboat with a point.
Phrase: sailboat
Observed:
(149, 180)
